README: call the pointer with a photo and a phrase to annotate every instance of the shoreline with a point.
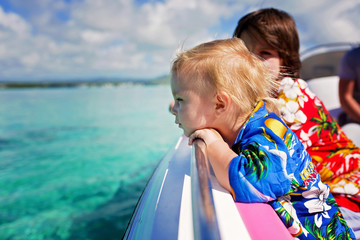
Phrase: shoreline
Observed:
(164, 80)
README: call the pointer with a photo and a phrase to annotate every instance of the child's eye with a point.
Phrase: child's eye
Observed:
(178, 99)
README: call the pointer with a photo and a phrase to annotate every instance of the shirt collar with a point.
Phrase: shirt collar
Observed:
(258, 112)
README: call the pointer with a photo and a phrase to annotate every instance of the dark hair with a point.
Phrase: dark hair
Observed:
(278, 29)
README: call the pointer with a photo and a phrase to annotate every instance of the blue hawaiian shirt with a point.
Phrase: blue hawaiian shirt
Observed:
(274, 167)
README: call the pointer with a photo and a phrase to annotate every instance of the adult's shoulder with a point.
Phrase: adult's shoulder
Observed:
(302, 83)
(349, 63)
(352, 55)
(354, 51)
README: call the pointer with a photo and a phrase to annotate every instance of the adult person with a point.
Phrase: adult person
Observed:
(349, 92)
(272, 35)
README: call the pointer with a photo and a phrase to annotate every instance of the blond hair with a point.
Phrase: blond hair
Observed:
(227, 65)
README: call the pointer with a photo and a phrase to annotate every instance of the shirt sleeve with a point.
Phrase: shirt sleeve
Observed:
(264, 169)
(346, 69)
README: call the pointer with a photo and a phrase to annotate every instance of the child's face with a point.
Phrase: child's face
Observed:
(266, 53)
(192, 109)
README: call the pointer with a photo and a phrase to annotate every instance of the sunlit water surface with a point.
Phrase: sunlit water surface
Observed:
(74, 161)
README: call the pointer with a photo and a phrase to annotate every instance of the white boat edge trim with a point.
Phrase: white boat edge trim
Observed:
(186, 220)
(231, 225)
(162, 184)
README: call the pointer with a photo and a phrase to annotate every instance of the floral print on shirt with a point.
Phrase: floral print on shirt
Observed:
(335, 156)
(273, 166)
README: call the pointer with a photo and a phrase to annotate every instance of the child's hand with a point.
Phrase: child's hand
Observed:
(218, 152)
(208, 135)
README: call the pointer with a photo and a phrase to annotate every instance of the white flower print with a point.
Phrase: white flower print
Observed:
(300, 116)
(287, 115)
(296, 126)
(302, 83)
(291, 113)
(285, 83)
(302, 99)
(304, 137)
(292, 91)
(317, 204)
(285, 201)
(310, 93)
(305, 86)
(288, 111)
(344, 187)
(318, 218)
(317, 101)
(281, 101)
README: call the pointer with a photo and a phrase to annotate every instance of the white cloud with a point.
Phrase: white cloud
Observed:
(119, 38)
(13, 23)
(92, 36)
(30, 60)
(329, 22)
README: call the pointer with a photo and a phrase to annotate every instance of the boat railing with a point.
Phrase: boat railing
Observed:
(205, 222)
(323, 60)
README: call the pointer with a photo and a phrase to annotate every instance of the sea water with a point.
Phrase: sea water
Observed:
(74, 161)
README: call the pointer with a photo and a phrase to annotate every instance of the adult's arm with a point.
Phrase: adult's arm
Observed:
(347, 101)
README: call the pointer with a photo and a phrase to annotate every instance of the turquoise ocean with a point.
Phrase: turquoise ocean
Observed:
(74, 161)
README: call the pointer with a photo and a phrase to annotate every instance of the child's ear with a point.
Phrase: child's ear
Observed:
(222, 101)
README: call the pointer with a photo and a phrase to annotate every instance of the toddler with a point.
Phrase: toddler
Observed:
(222, 95)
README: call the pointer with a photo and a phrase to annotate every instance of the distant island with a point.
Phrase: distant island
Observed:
(81, 83)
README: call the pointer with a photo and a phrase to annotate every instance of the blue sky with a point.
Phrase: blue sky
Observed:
(81, 39)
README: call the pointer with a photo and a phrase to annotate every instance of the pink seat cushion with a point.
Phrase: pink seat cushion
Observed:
(262, 222)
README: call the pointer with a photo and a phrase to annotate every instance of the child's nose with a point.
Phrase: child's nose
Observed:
(172, 108)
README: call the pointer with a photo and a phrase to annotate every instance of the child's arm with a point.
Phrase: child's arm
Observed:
(264, 169)
(219, 154)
